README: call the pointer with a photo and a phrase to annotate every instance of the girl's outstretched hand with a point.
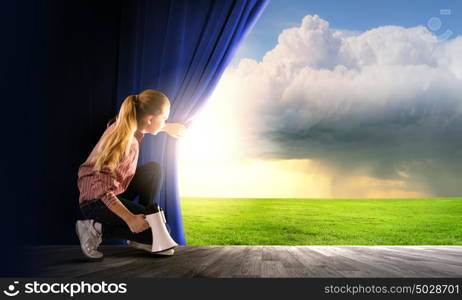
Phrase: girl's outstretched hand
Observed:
(175, 130)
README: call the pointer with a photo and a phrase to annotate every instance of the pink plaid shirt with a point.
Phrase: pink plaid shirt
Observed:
(104, 185)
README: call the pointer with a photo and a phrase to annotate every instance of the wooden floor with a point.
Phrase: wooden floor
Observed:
(254, 261)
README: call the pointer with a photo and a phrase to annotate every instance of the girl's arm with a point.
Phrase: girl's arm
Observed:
(136, 223)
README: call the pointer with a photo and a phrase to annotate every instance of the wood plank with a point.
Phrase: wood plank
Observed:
(253, 261)
(224, 255)
(273, 269)
(316, 262)
(147, 264)
(369, 265)
(251, 264)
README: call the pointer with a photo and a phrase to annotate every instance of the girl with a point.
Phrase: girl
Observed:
(109, 180)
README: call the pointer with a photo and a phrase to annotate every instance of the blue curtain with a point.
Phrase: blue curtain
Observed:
(181, 48)
(66, 67)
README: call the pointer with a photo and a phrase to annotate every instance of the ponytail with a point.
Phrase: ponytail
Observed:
(116, 144)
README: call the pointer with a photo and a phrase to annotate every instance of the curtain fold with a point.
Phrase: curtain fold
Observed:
(181, 48)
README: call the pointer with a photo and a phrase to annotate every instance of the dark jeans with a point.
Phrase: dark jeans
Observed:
(146, 184)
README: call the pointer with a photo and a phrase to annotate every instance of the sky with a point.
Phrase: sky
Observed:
(357, 16)
(331, 99)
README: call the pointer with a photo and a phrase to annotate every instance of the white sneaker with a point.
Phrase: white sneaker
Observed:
(148, 248)
(90, 239)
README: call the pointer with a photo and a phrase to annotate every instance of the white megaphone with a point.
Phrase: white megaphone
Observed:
(161, 239)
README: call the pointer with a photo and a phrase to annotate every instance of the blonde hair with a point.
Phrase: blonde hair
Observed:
(115, 145)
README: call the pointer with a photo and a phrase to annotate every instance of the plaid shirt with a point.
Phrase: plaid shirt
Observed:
(104, 185)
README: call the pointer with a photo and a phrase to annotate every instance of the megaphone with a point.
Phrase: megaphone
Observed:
(161, 239)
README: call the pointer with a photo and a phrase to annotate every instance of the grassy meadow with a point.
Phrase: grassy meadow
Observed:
(239, 221)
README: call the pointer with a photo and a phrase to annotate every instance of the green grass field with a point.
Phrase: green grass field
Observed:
(227, 221)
